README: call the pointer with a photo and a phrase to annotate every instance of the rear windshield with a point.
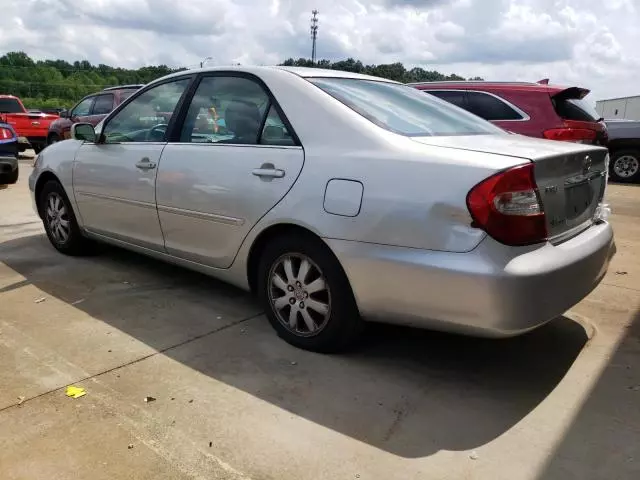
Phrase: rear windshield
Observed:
(10, 105)
(576, 109)
(403, 110)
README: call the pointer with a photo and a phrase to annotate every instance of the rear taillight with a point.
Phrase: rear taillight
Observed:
(507, 206)
(568, 134)
(5, 134)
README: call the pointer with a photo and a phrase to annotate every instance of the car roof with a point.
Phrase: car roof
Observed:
(488, 85)
(123, 87)
(304, 72)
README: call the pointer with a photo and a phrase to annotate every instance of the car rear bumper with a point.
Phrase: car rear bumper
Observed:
(493, 291)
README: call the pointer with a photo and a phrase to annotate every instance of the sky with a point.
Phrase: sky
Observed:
(589, 43)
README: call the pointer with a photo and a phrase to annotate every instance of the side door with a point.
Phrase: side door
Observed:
(102, 106)
(114, 179)
(234, 158)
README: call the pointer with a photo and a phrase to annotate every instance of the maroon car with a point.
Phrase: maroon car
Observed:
(532, 109)
(92, 109)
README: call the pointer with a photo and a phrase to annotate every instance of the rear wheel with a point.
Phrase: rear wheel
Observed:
(625, 166)
(307, 296)
(60, 222)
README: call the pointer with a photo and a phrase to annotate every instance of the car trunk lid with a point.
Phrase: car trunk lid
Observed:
(571, 178)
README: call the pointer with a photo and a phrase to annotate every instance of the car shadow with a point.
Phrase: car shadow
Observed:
(408, 392)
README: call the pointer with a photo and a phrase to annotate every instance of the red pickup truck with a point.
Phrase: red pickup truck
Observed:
(31, 127)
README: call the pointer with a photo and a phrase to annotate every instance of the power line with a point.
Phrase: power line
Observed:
(314, 34)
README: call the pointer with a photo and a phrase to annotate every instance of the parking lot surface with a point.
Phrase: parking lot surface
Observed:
(226, 399)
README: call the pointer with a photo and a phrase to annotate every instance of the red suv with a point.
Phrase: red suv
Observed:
(92, 109)
(533, 109)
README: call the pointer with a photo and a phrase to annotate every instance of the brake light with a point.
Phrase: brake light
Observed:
(5, 134)
(507, 206)
(568, 134)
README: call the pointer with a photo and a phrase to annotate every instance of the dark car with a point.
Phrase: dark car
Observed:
(8, 154)
(91, 109)
(624, 147)
(533, 109)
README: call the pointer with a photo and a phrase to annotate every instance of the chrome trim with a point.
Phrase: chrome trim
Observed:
(202, 215)
(257, 145)
(525, 116)
(126, 201)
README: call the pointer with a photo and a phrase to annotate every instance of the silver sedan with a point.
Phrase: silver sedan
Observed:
(336, 198)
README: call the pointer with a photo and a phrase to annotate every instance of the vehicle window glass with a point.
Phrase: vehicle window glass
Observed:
(403, 109)
(83, 108)
(225, 110)
(452, 96)
(146, 117)
(103, 104)
(275, 132)
(126, 94)
(490, 108)
(576, 109)
(10, 105)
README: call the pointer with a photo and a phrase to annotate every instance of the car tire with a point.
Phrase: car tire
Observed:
(53, 138)
(624, 166)
(37, 147)
(329, 321)
(60, 221)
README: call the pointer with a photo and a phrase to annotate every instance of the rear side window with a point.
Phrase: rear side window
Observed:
(490, 107)
(103, 104)
(576, 109)
(124, 94)
(402, 109)
(452, 96)
(9, 105)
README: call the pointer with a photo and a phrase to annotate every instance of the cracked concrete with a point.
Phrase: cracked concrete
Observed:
(235, 402)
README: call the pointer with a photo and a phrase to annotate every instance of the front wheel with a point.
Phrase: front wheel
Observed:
(307, 296)
(60, 222)
(625, 166)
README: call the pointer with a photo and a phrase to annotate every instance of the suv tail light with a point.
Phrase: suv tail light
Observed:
(568, 134)
(507, 206)
(5, 134)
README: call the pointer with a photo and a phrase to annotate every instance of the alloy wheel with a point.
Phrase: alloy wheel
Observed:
(58, 218)
(299, 294)
(626, 166)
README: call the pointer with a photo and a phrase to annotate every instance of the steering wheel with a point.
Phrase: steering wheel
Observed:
(161, 128)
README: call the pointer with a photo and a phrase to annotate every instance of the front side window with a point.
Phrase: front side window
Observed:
(491, 108)
(103, 104)
(226, 110)
(403, 109)
(83, 108)
(146, 117)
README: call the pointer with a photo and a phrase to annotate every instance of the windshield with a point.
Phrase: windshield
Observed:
(402, 109)
(10, 105)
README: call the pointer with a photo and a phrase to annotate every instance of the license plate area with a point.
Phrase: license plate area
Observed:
(582, 198)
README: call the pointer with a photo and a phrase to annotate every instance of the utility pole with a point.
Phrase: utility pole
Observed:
(205, 61)
(314, 34)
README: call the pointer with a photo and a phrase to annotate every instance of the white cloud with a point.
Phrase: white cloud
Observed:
(586, 42)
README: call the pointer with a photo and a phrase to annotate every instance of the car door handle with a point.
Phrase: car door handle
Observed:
(146, 164)
(268, 172)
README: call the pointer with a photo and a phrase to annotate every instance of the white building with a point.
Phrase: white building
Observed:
(626, 107)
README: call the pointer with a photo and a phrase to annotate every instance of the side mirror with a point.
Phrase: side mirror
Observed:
(64, 114)
(83, 131)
